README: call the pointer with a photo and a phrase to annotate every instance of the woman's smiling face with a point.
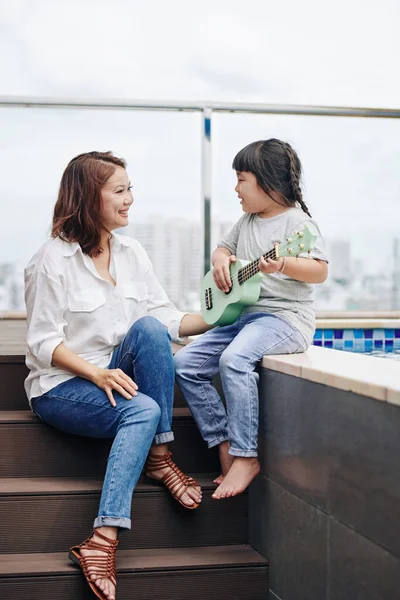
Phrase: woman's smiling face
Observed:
(116, 196)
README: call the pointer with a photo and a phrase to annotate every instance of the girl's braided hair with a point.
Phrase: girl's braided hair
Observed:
(276, 167)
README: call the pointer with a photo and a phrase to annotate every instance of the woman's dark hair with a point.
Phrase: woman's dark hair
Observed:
(76, 215)
(276, 167)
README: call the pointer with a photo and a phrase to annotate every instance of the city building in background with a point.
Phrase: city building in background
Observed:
(175, 250)
(175, 247)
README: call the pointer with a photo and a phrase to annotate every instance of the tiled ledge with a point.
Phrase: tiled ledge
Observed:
(370, 323)
(378, 378)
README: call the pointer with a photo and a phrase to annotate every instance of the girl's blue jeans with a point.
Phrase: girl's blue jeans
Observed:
(80, 407)
(233, 351)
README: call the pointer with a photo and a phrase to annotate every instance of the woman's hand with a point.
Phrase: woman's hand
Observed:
(270, 266)
(114, 379)
(221, 273)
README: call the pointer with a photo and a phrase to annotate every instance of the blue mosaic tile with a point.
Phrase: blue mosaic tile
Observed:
(368, 345)
(378, 334)
(358, 340)
(338, 345)
(348, 334)
(359, 349)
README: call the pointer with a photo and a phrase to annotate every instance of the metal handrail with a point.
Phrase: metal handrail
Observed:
(174, 105)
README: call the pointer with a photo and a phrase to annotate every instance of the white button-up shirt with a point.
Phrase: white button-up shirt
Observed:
(68, 301)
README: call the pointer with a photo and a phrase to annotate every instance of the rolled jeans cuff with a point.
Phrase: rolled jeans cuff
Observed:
(217, 441)
(163, 438)
(243, 453)
(121, 522)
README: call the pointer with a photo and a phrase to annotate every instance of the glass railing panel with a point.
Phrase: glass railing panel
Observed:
(352, 187)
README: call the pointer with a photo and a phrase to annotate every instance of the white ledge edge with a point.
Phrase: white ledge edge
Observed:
(371, 376)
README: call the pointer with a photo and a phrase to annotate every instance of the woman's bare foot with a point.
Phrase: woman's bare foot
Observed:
(239, 477)
(226, 461)
(192, 495)
(106, 586)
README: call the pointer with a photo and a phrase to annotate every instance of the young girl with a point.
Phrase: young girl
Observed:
(280, 322)
(99, 351)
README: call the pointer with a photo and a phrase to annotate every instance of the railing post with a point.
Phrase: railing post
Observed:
(206, 184)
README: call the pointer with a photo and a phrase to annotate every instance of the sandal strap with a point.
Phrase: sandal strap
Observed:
(175, 480)
(104, 565)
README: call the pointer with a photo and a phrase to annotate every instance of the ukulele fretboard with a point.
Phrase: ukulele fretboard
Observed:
(252, 268)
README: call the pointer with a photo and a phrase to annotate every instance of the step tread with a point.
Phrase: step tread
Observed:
(44, 486)
(153, 559)
(27, 416)
(13, 345)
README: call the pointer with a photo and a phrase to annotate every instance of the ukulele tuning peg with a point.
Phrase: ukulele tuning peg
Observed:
(289, 240)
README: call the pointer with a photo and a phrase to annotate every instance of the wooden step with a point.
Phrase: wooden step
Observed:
(220, 572)
(13, 373)
(13, 370)
(52, 514)
(30, 448)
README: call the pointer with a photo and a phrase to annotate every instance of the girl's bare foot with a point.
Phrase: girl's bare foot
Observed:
(239, 477)
(226, 461)
(106, 586)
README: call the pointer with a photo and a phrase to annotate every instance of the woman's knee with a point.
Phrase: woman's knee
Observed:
(144, 409)
(150, 327)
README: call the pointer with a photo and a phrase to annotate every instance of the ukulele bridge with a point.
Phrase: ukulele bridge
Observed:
(208, 299)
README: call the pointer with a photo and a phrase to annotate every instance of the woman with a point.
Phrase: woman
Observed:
(99, 353)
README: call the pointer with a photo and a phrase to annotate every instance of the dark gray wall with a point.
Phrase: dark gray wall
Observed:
(326, 509)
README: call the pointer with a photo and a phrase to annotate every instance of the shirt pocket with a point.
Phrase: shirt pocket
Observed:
(135, 296)
(85, 301)
(137, 290)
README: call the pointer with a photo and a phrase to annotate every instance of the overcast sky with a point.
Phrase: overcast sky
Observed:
(343, 53)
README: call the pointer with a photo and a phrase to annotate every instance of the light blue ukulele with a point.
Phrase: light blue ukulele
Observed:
(220, 308)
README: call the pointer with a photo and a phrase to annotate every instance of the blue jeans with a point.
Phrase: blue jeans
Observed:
(233, 351)
(79, 407)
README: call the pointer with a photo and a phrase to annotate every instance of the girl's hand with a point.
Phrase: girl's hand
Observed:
(115, 379)
(270, 266)
(221, 274)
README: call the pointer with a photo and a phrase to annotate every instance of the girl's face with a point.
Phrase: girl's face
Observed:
(116, 196)
(253, 198)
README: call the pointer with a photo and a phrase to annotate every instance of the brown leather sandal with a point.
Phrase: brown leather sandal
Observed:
(176, 481)
(104, 565)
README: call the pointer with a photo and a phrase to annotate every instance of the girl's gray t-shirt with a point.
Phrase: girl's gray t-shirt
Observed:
(292, 300)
